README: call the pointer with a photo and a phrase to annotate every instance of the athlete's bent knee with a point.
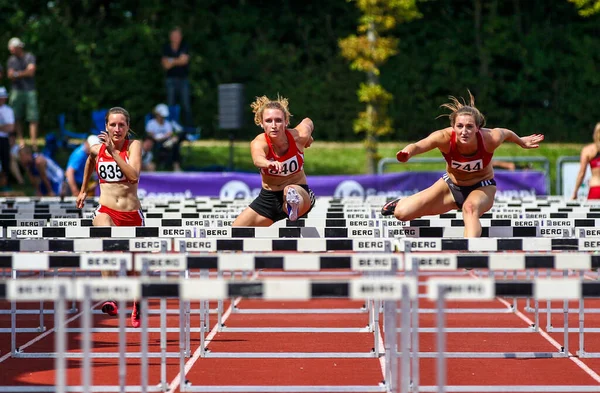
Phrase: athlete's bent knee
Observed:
(470, 208)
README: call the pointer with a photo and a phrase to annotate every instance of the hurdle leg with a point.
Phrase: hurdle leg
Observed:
(188, 321)
(415, 344)
(41, 326)
(405, 377)
(60, 341)
(13, 321)
(163, 338)
(565, 349)
(390, 344)
(182, 344)
(122, 346)
(86, 335)
(536, 311)
(441, 341)
(548, 309)
(375, 328)
(73, 308)
(144, 346)
(581, 352)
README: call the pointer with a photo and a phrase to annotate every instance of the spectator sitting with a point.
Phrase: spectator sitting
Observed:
(76, 165)
(44, 174)
(165, 133)
(15, 169)
(7, 126)
(148, 164)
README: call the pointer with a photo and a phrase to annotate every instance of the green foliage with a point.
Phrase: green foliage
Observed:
(587, 7)
(534, 67)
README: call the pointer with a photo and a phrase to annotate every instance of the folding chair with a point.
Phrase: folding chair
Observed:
(98, 121)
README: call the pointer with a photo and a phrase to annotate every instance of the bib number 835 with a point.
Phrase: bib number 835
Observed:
(110, 171)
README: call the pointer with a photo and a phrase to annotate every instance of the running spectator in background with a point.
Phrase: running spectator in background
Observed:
(7, 127)
(167, 136)
(278, 152)
(45, 175)
(148, 164)
(590, 154)
(469, 183)
(21, 70)
(76, 165)
(176, 62)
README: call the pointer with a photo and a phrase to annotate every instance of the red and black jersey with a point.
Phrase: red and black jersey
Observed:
(107, 169)
(293, 159)
(474, 163)
(595, 162)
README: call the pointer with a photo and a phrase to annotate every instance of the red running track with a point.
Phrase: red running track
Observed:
(368, 372)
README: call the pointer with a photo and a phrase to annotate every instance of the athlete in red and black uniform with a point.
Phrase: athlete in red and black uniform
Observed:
(279, 154)
(590, 154)
(468, 183)
(118, 162)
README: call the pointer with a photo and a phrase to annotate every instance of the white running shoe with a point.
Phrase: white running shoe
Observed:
(293, 201)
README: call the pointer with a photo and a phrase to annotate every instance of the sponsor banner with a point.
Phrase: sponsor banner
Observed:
(247, 185)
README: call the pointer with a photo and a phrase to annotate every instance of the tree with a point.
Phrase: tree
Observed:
(367, 51)
(587, 7)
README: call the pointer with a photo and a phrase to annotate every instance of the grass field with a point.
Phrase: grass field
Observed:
(337, 158)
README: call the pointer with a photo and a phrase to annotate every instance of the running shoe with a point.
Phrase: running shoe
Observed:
(388, 208)
(136, 314)
(110, 308)
(293, 201)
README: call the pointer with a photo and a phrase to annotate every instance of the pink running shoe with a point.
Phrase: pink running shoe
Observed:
(110, 308)
(136, 314)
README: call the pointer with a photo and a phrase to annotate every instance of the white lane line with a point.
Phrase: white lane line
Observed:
(47, 332)
(555, 343)
(190, 363)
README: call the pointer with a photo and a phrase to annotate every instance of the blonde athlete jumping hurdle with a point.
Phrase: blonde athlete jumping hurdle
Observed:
(468, 183)
(279, 154)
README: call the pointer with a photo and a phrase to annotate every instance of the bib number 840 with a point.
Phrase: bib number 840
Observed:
(288, 167)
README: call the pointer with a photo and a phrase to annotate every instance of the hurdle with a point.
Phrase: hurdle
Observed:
(442, 289)
(126, 289)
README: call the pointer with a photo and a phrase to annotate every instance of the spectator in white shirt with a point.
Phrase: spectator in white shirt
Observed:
(167, 136)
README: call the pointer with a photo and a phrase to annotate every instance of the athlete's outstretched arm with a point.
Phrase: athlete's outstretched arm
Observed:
(435, 139)
(501, 135)
(259, 149)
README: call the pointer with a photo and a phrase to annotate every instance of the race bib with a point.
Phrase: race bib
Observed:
(470, 166)
(289, 166)
(110, 172)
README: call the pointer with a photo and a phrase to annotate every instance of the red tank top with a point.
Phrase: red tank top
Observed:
(474, 163)
(107, 169)
(595, 162)
(293, 159)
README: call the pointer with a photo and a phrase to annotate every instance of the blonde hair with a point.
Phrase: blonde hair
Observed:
(460, 107)
(597, 136)
(264, 102)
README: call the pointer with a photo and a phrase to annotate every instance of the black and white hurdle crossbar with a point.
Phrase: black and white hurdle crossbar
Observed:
(382, 288)
(310, 262)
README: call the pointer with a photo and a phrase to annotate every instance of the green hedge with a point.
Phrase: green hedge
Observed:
(533, 65)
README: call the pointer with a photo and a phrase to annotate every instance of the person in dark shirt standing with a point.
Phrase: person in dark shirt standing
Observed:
(175, 60)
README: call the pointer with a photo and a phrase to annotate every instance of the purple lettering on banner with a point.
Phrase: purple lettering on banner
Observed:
(244, 185)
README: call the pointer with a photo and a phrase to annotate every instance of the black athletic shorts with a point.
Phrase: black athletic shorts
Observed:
(460, 193)
(270, 203)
